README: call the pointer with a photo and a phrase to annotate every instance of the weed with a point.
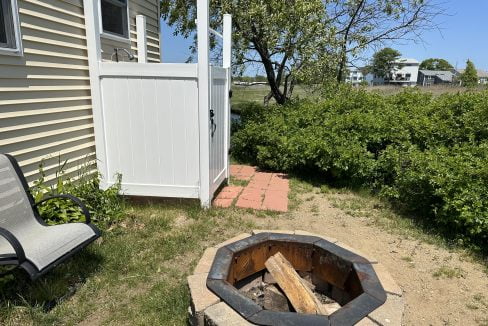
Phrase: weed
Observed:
(448, 272)
(104, 205)
(238, 182)
(324, 189)
(314, 208)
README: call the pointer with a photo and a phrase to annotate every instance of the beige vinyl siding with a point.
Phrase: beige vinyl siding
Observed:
(150, 9)
(45, 102)
(45, 105)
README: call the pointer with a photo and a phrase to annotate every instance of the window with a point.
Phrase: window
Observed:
(9, 33)
(114, 18)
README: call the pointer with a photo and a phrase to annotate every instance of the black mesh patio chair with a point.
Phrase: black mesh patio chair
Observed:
(25, 240)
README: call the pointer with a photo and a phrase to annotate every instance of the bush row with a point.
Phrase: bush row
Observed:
(427, 154)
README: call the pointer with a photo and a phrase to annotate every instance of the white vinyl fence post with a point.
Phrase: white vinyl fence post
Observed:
(141, 39)
(92, 25)
(204, 99)
(227, 33)
(227, 64)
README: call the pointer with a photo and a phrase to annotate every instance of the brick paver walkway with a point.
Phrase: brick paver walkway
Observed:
(265, 191)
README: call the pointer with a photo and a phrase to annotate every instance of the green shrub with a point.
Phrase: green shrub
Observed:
(104, 205)
(427, 154)
(449, 185)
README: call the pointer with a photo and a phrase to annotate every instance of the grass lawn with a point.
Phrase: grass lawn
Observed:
(136, 273)
(256, 93)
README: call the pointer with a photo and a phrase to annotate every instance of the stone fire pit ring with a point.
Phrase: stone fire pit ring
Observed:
(366, 292)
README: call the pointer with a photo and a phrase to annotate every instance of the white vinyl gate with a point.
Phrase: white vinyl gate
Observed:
(164, 127)
(150, 115)
(219, 126)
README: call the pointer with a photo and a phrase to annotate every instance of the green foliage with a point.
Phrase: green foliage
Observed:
(104, 205)
(427, 154)
(384, 62)
(469, 77)
(288, 39)
(310, 41)
(436, 64)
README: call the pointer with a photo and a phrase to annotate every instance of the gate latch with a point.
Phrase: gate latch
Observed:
(213, 127)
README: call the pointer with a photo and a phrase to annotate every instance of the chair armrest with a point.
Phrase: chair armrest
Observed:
(77, 201)
(14, 242)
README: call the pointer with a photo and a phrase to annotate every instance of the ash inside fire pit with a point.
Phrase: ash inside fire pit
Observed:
(262, 289)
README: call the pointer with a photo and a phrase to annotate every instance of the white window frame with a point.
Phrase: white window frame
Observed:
(111, 36)
(18, 50)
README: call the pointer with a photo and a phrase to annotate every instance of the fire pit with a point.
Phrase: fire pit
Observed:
(343, 283)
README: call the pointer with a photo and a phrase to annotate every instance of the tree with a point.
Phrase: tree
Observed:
(469, 77)
(287, 39)
(384, 62)
(311, 41)
(362, 24)
(435, 64)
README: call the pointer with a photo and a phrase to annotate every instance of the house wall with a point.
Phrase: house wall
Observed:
(374, 80)
(355, 77)
(412, 69)
(45, 102)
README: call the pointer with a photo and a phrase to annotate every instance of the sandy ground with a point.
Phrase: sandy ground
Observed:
(460, 298)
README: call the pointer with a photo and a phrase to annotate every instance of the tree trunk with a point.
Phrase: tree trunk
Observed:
(273, 83)
(267, 98)
(342, 65)
(273, 80)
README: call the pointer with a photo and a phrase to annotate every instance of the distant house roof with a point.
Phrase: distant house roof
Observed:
(441, 74)
(407, 61)
(481, 73)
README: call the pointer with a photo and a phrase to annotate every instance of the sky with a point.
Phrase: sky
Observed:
(463, 35)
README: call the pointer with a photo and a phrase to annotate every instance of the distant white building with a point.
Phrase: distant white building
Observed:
(404, 72)
(355, 76)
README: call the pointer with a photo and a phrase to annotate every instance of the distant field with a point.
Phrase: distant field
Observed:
(243, 94)
(436, 90)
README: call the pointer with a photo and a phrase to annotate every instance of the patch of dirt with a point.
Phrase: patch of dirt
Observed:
(182, 221)
(441, 287)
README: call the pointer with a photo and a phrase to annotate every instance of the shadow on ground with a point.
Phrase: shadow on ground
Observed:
(58, 285)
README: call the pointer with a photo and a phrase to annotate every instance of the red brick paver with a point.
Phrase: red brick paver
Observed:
(265, 191)
(227, 196)
(243, 172)
(276, 200)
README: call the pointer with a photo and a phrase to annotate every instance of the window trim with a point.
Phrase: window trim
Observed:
(18, 50)
(112, 36)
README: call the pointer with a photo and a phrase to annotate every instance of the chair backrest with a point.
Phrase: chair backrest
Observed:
(15, 206)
